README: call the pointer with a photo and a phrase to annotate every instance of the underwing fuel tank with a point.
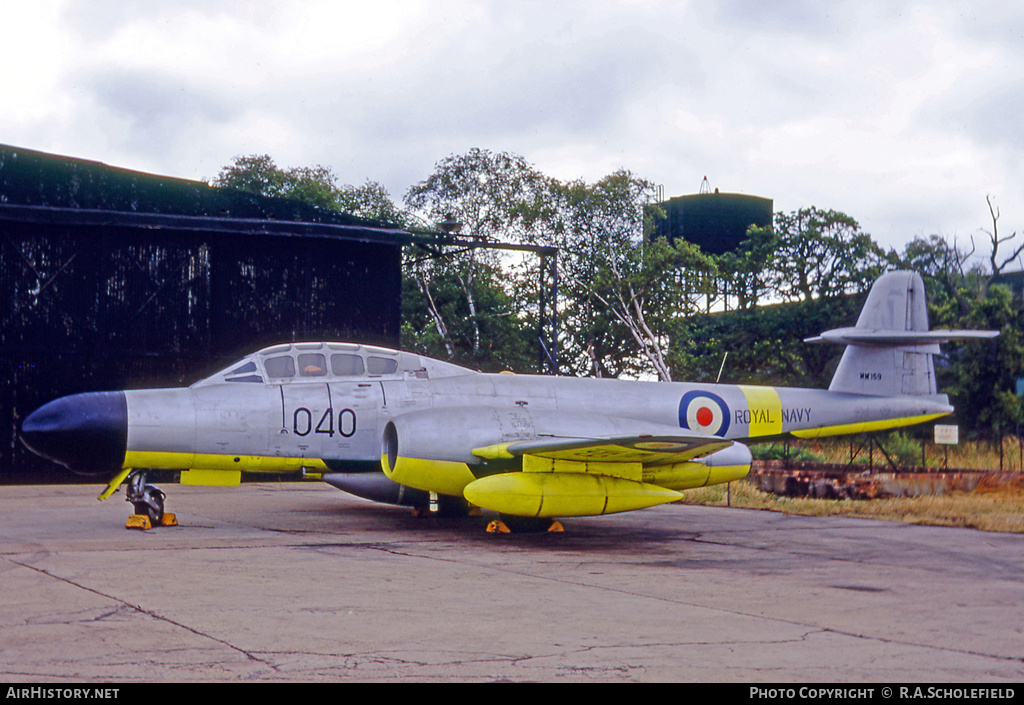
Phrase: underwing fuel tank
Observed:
(727, 465)
(564, 494)
(561, 494)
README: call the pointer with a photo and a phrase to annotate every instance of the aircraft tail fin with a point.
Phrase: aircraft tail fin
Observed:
(889, 352)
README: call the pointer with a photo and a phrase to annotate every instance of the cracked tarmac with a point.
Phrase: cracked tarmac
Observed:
(301, 582)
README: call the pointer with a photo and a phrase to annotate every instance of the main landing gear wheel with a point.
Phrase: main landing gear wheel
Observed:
(446, 506)
(155, 513)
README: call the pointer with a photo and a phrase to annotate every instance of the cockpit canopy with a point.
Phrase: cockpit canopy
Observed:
(306, 362)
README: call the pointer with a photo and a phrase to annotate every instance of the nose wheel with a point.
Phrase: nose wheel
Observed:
(148, 501)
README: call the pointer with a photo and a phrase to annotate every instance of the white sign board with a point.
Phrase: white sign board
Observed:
(948, 435)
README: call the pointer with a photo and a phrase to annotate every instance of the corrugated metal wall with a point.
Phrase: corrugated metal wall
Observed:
(94, 300)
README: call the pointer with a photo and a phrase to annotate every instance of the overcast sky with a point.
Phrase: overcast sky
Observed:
(904, 115)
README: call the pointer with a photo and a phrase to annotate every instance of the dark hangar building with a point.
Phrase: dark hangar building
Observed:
(115, 279)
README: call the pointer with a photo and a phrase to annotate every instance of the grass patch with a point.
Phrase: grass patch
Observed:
(991, 511)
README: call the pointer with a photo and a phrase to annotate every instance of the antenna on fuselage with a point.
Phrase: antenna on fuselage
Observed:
(719, 378)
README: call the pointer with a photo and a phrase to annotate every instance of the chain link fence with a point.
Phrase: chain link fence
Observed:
(899, 451)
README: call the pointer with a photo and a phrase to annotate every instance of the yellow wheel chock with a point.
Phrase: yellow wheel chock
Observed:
(499, 527)
(138, 521)
(142, 522)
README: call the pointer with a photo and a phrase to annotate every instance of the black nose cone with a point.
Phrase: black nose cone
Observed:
(87, 433)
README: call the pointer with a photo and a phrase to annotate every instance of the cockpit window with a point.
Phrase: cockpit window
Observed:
(279, 367)
(381, 365)
(344, 365)
(242, 369)
(312, 365)
(244, 373)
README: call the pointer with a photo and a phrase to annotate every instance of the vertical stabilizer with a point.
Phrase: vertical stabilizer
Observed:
(896, 302)
(889, 352)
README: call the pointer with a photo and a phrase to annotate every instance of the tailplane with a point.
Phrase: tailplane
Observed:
(889, 352)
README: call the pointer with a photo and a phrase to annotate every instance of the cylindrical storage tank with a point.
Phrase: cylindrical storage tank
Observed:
(716, 222)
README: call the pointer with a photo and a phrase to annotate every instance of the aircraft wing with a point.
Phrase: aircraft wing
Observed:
(889, 338)
(549, 463)
(647, 449)
(578, 475)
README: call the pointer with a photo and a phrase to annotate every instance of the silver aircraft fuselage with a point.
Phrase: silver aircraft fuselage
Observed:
(378, 422)
(321, 421)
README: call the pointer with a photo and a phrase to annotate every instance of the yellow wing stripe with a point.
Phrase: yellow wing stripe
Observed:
(215, 462)
(498, 451)
(626, 470)
(866, 426)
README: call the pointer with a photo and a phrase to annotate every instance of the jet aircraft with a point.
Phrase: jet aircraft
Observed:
(405, 429)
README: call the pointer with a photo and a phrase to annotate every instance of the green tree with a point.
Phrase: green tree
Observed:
(620, 291)
(746, 271)
(492, 198)
(982, 374)
(315, 185)
(471, 310)
(437, 320)
(952, 284)
(373, 202)
(824, 254)
(979, 376)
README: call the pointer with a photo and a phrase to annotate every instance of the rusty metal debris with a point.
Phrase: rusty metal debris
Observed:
(825, 481)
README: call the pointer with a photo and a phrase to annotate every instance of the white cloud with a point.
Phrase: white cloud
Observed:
(904, 115)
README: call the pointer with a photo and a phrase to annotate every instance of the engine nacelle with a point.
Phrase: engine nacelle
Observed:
(432, 450)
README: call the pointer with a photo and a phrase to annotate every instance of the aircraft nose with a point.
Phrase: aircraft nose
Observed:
(87, 433)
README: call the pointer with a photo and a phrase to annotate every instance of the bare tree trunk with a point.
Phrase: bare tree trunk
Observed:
(630, 314)
(435, 314)
(467, 290)
(996, 241)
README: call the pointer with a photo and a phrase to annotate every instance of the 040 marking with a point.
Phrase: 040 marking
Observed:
(302, 422)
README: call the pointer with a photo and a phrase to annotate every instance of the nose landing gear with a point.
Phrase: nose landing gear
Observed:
(148, 501)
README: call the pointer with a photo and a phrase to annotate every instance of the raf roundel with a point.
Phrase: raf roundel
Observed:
(704, 412)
